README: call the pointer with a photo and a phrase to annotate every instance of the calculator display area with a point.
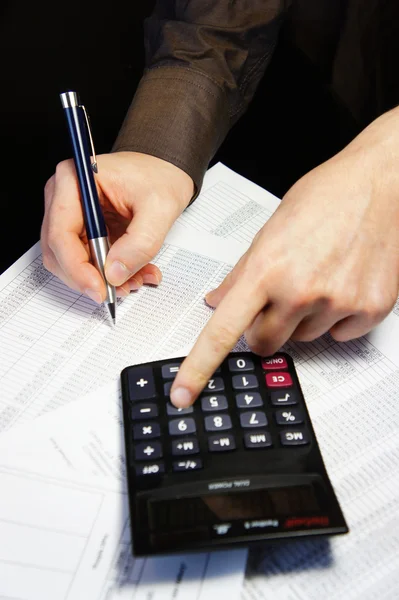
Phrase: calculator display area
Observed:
(184, 513)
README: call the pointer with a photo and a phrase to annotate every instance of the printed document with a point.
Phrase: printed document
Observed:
(352, 392)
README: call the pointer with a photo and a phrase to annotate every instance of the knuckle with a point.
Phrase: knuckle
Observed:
(62, 168)
(259, 343)
(376, 308)
(147, 245)
(302, 298)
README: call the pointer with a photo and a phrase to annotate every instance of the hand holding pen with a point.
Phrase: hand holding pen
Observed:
(141, 196)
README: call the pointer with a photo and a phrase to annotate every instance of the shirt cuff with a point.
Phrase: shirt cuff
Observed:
(179, 115)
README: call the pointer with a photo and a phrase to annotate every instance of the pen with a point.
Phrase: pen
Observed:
(86, 166)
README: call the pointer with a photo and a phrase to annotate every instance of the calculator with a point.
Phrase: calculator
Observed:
(240, 466)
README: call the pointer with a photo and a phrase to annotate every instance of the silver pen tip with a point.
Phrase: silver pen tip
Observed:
(111, 309)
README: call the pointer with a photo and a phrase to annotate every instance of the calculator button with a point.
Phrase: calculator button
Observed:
(249, 400)
(221, 443)
(209, 403)
(170, 370)
(181, 426)
(144, 411)
(277, 380)
(217, 422)
(258, 439)
(291, 416)
(294, 437)
(185, 446)
(146, 431)
(152, 469)
(284, 398)
(272, 363)
(187, 465)
(150, 451)
(245, 382)
(173, 410)
(253, 419)
(214, 385)
(141, 384)
(241, 363)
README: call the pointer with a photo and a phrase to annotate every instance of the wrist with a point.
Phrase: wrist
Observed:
(376, 149)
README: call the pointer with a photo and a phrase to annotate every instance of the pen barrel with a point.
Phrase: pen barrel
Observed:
(93, 217)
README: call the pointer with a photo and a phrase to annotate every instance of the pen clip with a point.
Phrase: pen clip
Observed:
(93, 152)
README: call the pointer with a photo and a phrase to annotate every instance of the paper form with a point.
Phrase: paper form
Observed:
(230, 206)
(66, 537)
(56, 345)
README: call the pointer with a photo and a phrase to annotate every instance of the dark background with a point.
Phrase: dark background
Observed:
(97, 49)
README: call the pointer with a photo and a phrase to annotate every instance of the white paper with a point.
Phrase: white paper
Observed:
(230, 206)
(56, 345)
(66, 537)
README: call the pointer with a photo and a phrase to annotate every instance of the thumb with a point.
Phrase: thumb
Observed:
(214, 297)
(142, 240)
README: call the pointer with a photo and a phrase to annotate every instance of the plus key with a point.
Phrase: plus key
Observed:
(141, 384)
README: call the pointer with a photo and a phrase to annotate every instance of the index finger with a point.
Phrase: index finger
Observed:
(61, 231)
(232, 317)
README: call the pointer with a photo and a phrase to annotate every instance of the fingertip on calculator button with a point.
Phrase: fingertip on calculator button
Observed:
(181, 397)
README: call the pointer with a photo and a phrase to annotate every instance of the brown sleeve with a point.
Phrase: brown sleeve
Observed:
(204, 62)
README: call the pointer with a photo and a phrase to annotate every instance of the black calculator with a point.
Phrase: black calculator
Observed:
(240, 466)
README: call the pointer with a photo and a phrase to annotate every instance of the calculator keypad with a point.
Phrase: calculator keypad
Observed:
(234, 412)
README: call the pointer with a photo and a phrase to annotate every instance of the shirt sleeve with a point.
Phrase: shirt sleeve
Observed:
(204, 60)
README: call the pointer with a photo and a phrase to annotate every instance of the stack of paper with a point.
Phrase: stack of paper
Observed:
(64, 528)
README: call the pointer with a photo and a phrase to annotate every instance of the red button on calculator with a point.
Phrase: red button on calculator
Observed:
(277, 380)
(274, 362)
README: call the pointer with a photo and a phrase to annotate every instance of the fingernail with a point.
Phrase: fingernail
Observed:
(209, 298)
(151, 278)
(117, 273)
(134, 284)
(93, 295)
(181, 397)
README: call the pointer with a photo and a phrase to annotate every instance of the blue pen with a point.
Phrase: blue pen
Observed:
(86, 166)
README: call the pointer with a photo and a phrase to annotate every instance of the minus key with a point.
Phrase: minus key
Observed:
(148, 410)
